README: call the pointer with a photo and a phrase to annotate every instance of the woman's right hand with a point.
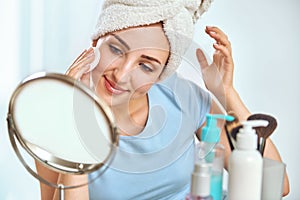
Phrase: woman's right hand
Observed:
(81, 66)
(218, 76)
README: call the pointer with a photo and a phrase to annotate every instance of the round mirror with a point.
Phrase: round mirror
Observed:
(62, 124)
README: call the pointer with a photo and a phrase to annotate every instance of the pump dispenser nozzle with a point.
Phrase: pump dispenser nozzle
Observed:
(246, 138)
(211, 132)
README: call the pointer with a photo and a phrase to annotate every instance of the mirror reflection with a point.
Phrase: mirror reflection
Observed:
(61, 123)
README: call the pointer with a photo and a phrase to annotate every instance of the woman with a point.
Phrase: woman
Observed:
(141, 44)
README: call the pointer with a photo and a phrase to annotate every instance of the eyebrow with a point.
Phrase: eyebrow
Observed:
(151, 58)
(121, 41)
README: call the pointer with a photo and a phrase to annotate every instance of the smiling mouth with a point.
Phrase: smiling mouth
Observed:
(112, 87)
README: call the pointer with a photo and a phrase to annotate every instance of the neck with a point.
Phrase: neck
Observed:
(131, 117)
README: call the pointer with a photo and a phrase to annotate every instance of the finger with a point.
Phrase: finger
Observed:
(214, 29)
(224, 50)
(85, 79)
(219, 36)
(76, 68)
(218, 58)
(80, 56)
(84, 54)
(201, 59)
(77, 73)
(220, 39)
(222, 58)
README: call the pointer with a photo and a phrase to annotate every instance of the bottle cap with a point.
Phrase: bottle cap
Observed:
(200, 185)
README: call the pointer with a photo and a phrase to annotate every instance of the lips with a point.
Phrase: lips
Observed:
(112, 87)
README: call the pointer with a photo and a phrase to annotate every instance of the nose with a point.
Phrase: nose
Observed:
(122, 70)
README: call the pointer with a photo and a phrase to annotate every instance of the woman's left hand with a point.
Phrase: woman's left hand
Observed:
(218, 76)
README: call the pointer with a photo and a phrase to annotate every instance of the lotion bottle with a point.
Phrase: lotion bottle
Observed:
(246, 164)
(200, 184)
(214, 152)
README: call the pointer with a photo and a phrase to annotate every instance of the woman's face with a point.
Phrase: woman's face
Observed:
(131, 62)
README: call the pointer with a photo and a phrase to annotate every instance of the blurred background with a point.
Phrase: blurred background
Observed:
(48, 35)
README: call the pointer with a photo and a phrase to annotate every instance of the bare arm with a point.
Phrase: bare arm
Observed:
(47, 192)
(78, 193)
(50, 193)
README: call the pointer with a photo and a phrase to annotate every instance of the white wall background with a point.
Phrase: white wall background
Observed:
(47, 35)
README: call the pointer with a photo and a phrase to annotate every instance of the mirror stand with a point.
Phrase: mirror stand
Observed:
(61, 192)
(61, 188)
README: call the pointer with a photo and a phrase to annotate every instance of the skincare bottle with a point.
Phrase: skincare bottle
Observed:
(213, 152)
(200, 185)
(246, 164)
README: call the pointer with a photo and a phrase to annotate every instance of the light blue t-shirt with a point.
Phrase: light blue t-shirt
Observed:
(157, 163)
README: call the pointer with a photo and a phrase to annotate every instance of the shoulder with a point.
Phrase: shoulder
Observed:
(183, 88)
(184, 95)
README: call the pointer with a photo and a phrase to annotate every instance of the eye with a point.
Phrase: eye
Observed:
(115, 50)
(146, 67)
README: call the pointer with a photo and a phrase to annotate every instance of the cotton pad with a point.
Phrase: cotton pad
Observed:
(97, 58)
(94, 63)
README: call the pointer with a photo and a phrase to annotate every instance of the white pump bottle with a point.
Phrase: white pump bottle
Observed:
(246, 164)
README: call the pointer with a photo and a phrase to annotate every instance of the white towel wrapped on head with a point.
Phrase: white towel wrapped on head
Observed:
(177, 16)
